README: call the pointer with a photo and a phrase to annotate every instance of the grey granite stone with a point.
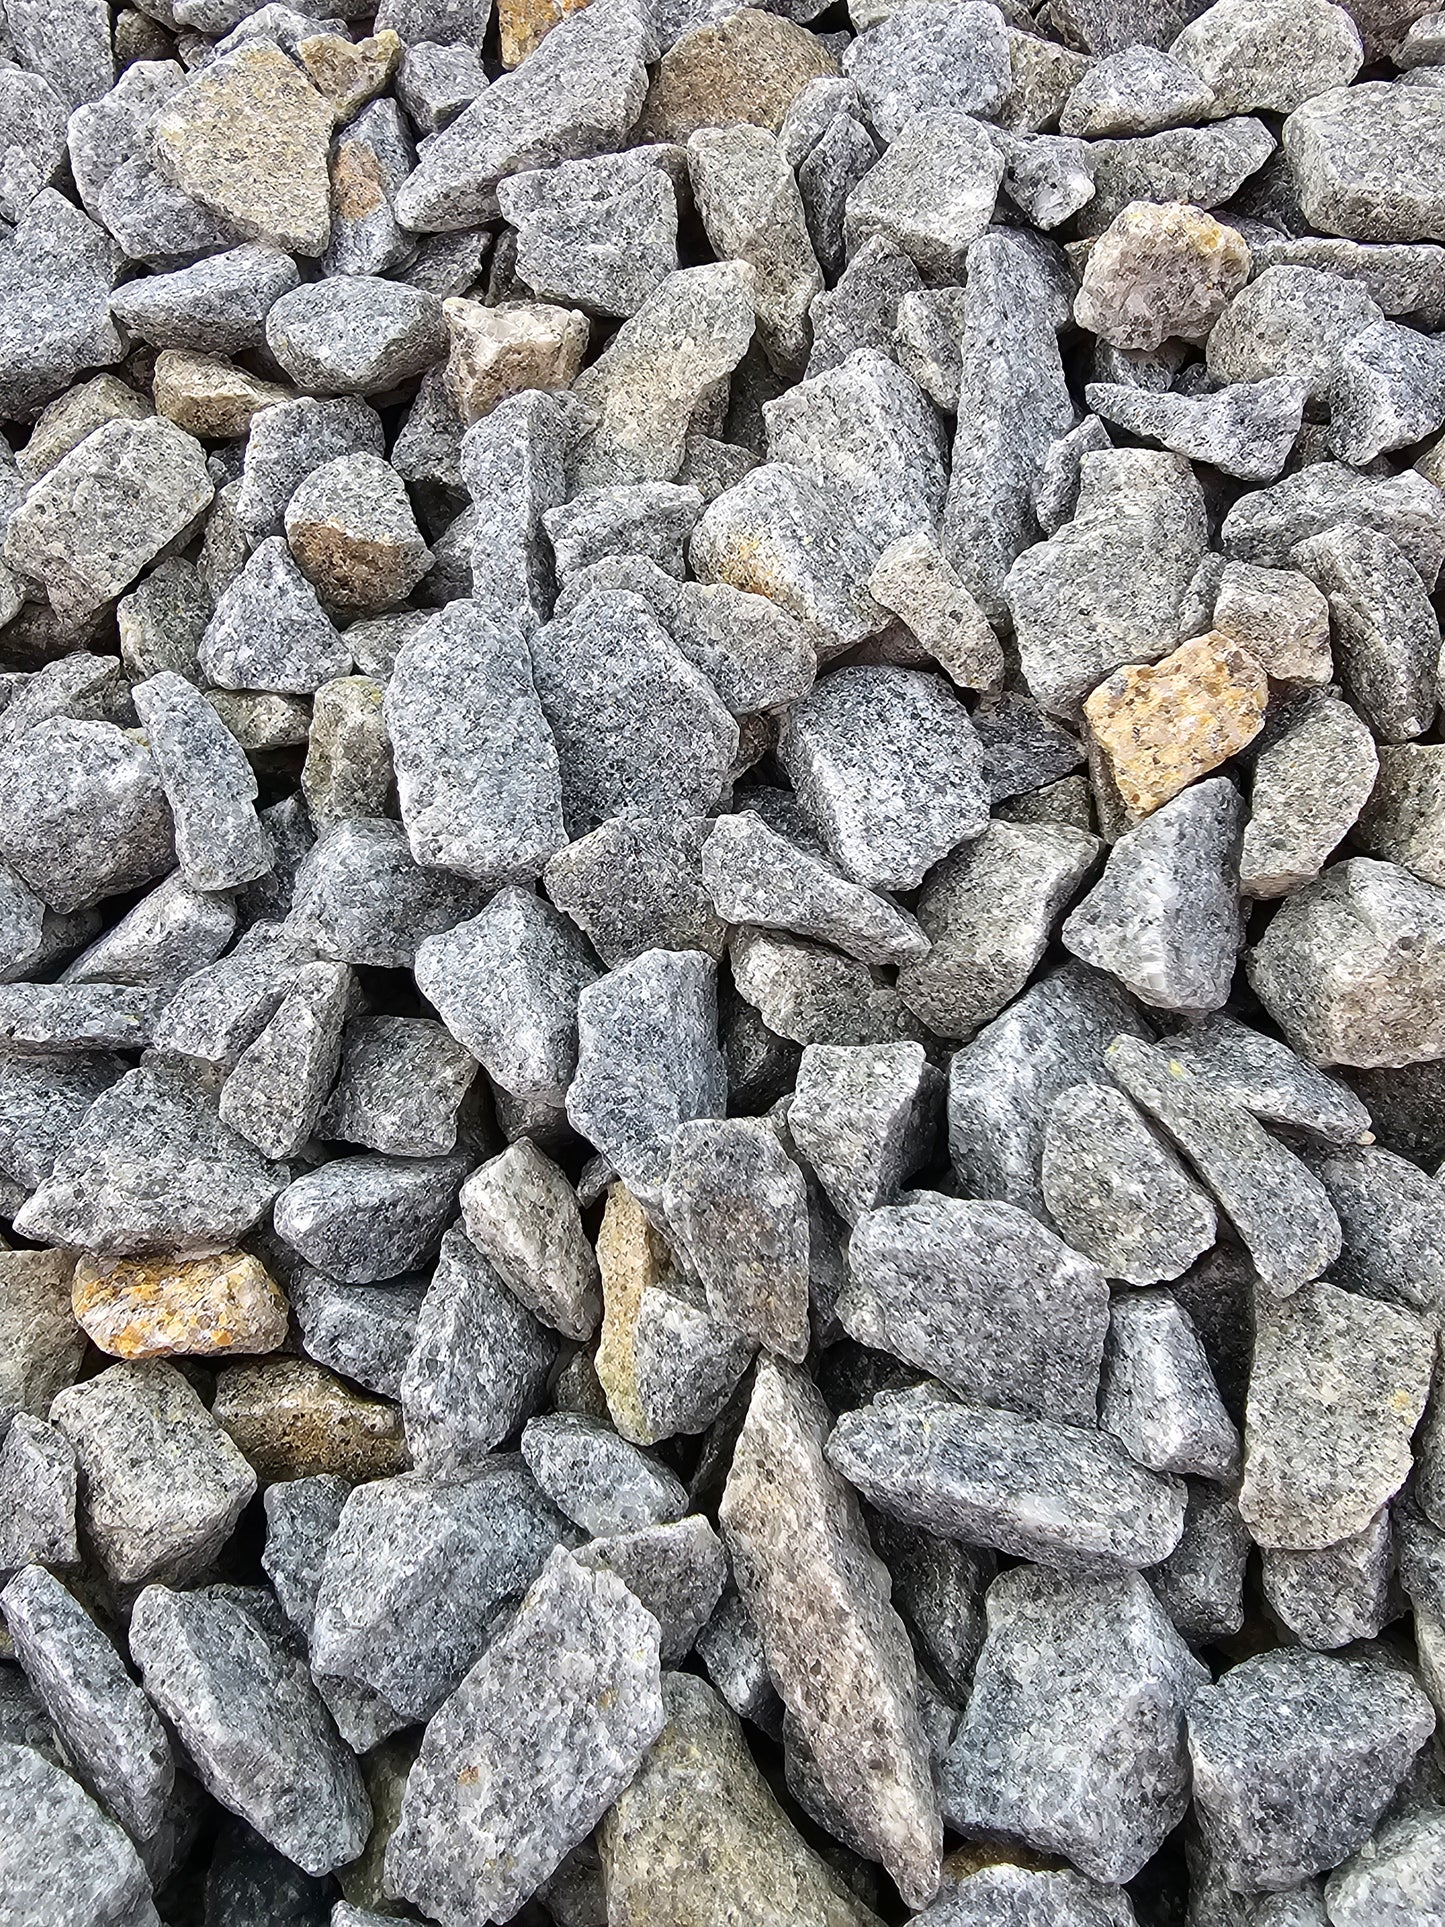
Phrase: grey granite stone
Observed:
(1393, 1218)
(1205, 166)
(63, 1861)
(42, 1342)
(1264, 527)
(162, 1485)
(1365, 162)
(1158, 1396)
(370, 159)
(1404, 818)
(532, 1749)
(1386, 636)
(362, 899)
(864, 1118)
(274, 1094)
(635, 884)
(1331, 1597)
(38, 1489)
(363, 1219)
(1201, 1584)
(269, 630)
(223, 1007)
(84, 815)
(1266, 1078)
(677, 1570)
(301, 1517)
(400, 1087)
(289, 442)
(209, 785)
(811, 994)
(931, 194)
(168, 936)
(1073, 1738)
(600, 1481)
(355, 334)
(523, 1216)
(364, 1332)
(598, 234)
(1247, 429)
(55, 316)
(941, 58)
(1136, 90)
(748, 200)
(216, 306)
(1310, 783)
(651, 520)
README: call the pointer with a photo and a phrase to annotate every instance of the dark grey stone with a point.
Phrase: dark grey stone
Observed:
(301, 1516)
(362, 899)
(365, 1332)
(217, 306)
(400, 1087)
(1201, 1584)
(363, 1219)
(600, 1481)
(63, 1862)
(1393, 1219)
(1386, 634)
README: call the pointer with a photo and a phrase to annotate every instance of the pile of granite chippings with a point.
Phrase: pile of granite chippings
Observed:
(722, 907)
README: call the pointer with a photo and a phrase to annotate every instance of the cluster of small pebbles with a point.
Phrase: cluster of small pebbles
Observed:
(722, 918)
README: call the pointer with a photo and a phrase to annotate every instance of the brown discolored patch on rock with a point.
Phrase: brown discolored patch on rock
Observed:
(749, 67)
(292, 1420)
(357, 187)
(357, 571)
(496, 352)
(178, 1307)
(525, 24)
(632, 1257)
(249, 138)
(1160, 726)
(210, 396)
(349, 73)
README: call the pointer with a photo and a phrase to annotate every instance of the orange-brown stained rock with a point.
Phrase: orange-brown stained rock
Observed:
(175, 1307)
(292, 1420)
(1161, 726)
(749, 67)
(525, 24)
(349, 73)
(632, 1257)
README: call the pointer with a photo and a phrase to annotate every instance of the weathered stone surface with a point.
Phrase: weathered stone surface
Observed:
(1160, 272)
(351, 528)
(292, 1420)
(1061, 1495)
(600, 1481)
(1295, 1757)
(1266, 526)
(1338, 1385)
(486, 1815)
(362, 1219)
(269, 630)
(1073, 1738)
(163, 1308)
(362, 899)
(40, 1344)
(931, 194)
(38, 1489)
(747, 67)
(523, 1215)
(806, 1572)
(1366, 161)
(1394, 1876)
(1310, 784)
(1162, 726)
(498, 352)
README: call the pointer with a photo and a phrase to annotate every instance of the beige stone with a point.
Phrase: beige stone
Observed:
(349, 73)
(1160, 272)
(632, 1257)
(749, 67)
(525, 24)
(496, 352)
(249, 138)
(292, 1420)
(1280, 617)
(210, 396)
(171, 1307)
(1160, 726)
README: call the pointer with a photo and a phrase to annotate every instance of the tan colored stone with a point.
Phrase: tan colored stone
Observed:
(174, 1307)
(292, 1420)
(1280, 617)
(349, 73)
(496, 352)
(210, 396)
(748, 67)
(74, 415)
(1160, 272)
(1160, 726)
(249, 138)
(525, 24)
(632, 1256)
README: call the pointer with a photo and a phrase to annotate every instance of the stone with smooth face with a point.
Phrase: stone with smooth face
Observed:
(1309, 786)
(863, 1119)
(1158, 1396)
(63, 1860)
(523, 1215)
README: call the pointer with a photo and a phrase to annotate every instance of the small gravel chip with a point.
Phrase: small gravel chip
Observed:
(931, 194)
(523, 1216)
(635, 883)
(350, 527)
(887, 765)
(1386, 635)
(478, 1366)
(363, 1219)
(1330, 1598)
(110, 1731)
(209, 785)
(362, 899)
(638, 729)
(269, 630)
(1295, 1757)
(514, 467)
(1281, 1213)
(252, 1724)
(1158, 1397)
(807, 1574)
(1266, 1078)
(415, 1576)
(863, 1118)
(217, 306)
(63, 1862)
(161, 1485)
(648, 1060)
(1339, 1384)
(677, 1570)
(1073, 1739)
(756, 876)
(477, 770)
(88, 527)
(1351, 967)
(1062, 1495)
(1116, 1190)
(739, 1207)
(274, 1094)
(1367, 162)
(1165, 916)
(248, 138)
(287, 443)
(984, 1298)
(600, 1481)
(989, 911)
(152, 1167)
(399, 1088)
(532, 1749)
(164, 1307)
(1310, 784)
(38, 1492)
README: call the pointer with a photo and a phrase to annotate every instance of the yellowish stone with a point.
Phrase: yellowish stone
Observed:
(632, 1257)
(1160, 272)
(293, 1420)
(249, 137)
(496, 352)
(1163, 725)
(210, 396)
(525, 24)
(749, 67)
(349, 73)
(178, 1307)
